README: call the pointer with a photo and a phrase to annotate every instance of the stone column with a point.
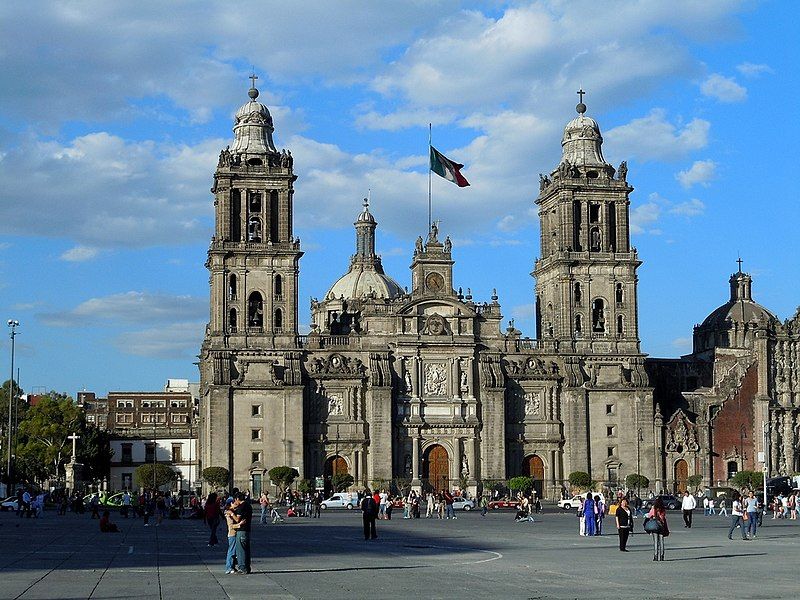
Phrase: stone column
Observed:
(415, 377)
(552, 477)
(455, 471)
(456, 375)
(415, 459)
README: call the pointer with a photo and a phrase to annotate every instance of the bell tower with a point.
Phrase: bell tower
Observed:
(586, 296)
(254, 257)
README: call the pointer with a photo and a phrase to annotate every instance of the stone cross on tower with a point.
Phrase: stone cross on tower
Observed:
(739, 262)
(74, 439)
(253, 78)
(580, 93)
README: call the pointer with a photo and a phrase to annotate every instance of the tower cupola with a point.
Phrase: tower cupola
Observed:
(253, 126)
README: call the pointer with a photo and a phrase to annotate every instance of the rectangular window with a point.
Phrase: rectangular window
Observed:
(149, 453)
(177, 403)
(148, 418)
(178, 418)
(90, 418)
(127, 454)
(124, 418)
(594, 213)
(255, 410)
(609, 409)
(255, 457)
(124, 403)
(611, 450)
(255, 434)
(177, 453)
(610, 430)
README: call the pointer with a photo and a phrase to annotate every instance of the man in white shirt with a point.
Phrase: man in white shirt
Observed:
(736, 519)
(705, 505)
(688, 504)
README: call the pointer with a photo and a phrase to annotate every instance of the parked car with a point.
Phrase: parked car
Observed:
(341, 500)
(670, 501)
(9, 503)
(575, 502)
(503, 503)
(460, 503)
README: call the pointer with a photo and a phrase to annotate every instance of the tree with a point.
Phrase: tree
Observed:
(580, 480)
(146, 478)
(521, 484)
(694, 481)
(747, 480)
(636, 481)
(44, 430)
(342, 481)
(216, 477)
(94, 452)
(283, 476)
(305, 486)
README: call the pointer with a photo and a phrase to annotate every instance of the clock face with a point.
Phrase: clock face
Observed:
(434, 282)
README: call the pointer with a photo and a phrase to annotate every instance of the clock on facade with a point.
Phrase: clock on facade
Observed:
(434, 282)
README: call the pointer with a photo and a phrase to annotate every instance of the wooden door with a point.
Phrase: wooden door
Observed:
(335, 465)
(437, 468)
(681, 475)
(533, 466)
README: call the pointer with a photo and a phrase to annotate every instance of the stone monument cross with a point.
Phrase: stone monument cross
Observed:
(739, 262)
(253, 78)
(580, 93)
(74, 439)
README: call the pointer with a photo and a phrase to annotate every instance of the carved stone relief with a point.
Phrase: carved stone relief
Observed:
(435, 379)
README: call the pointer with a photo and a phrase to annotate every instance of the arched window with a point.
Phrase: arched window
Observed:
(278, 286)
(255, 310)
(577, 293)
(578, 324)
(278, 320)
(254, 229)
(619, 293)
(620, 325)
(232, 321)
(232, 287)
(598, 315)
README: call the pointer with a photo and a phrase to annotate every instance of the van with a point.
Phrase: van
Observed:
(346, 500)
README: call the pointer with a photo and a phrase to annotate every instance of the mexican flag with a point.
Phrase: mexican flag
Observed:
(444, 167)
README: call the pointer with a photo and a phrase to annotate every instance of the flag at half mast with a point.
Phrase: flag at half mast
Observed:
(444, 167)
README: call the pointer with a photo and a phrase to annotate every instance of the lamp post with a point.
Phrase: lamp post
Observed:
(639, 440)
(765, 429)
(155, 452)
(13, 324)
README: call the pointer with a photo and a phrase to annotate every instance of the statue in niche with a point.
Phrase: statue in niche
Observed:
(464, 385)
(464, 465)
(254, 230)
(594, 242)
(407, 378)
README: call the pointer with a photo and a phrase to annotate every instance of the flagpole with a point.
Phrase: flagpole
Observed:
(430, 143)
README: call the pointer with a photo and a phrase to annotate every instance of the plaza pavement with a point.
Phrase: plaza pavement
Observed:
(472, 557)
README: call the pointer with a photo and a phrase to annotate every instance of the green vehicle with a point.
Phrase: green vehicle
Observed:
(106, 499)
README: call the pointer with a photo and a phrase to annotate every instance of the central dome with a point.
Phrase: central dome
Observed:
(360, 282)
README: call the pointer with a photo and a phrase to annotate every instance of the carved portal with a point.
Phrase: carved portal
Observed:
(435, 379)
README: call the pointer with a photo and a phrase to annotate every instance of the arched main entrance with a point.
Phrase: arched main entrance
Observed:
(436, 467)
(681, 475)
(335, 465)
(533, 466)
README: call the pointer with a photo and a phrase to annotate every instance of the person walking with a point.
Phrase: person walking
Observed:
(126, 503)
(448, 505)
(211, 517)
(369, 513)
(95, 504)
(484, 504)
(751, 505)
(600, 514)
(624, 519)
(723, 508)
(230, 555)
(243, 512)
(382, 504)
(429, 504)
(659, 514)
(263, 502)
(737, 518)
(317, 504)
(589, 514)
(688, 504)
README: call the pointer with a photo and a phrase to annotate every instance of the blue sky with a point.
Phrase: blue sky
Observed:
(112, 116)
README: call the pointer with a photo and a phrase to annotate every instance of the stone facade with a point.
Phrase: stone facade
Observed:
(426, 384)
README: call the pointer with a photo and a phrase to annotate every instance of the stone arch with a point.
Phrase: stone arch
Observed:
(278, 322)
(680, 471)
(533, 466)
(255, 310)
(336, 464)
(278, 287)
(232, 321)
(599, 315)
(232, 286)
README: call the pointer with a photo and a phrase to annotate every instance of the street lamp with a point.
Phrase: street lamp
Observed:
(13, 324)
(639, 440)
(766, 430)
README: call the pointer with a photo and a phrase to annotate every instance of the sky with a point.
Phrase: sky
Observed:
(112, 115)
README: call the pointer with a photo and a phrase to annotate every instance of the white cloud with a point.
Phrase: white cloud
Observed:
(749, 69)
(682, 344)
(524, 311)
(79, 254)
(643, 216)
(724, 89)
(690, 208)
(701, 172)
(654, 138)
(172, 341)
(130, 307)
(102, 191)
(403, 119)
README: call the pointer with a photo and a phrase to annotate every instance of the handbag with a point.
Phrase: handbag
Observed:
(744, 516)
(652, 525)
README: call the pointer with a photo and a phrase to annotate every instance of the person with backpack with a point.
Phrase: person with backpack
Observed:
(369, 513)
(656, 525)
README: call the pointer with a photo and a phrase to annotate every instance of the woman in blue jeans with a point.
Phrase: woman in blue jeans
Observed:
(230, 557)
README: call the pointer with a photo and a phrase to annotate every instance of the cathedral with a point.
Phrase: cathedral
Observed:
(428, 385)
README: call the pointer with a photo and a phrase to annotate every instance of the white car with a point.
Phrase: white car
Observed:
(575, 502)
(9, 503)
(460, 503)
(341, 500)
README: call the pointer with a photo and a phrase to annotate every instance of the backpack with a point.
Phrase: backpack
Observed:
(368, 506)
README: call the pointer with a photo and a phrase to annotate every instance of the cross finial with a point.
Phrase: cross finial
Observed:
(739, 262)
(580, 93)
(253, 78)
